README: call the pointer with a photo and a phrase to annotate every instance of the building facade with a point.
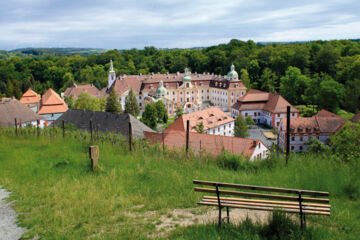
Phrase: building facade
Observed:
(189, 91)
(302, 129)
(213, 120)
(263, 107)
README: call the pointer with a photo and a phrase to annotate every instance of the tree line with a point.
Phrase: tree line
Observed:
(321, 73)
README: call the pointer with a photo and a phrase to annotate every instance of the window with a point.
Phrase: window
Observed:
(246, 114)
(224, 127)
(301, 148)
(293, 114)
(187, 85)
(278, 115)
(181, 93)
(278, 123)
(292, 138)
(292, 148)
(255, 114)
(301, 138)
(173, 93)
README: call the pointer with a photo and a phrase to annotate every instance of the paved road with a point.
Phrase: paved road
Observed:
(9, 230)
(255, 132)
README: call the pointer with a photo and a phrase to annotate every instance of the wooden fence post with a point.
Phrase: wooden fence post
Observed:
(94, 156)
(130, 137)
(163, 141)
(91, 130)
(287, 134)
(16, 129)
(53, 123)
(187, 135)
(38, 128)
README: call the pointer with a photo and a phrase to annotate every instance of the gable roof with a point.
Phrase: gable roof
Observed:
(52, 103)
(75, 91)
(104, 122)
(326, 122)
(30, 97)
(11, 109)
(259, 100)
(326, 113)
(356, 118)
(213, 144)
(123, 84)
(210, 117)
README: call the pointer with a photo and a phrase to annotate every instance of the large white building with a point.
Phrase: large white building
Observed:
(263, 107)
(190, 91)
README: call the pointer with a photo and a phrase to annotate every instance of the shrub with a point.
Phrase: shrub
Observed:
(316, 146)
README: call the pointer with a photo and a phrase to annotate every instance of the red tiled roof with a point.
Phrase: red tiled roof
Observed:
(329, 124)
(213, 144)
(356, 118)
(126, 83)
(75, 90)
(210, 117)
(259, 100)
(30, 97)
(326, 113)
(52, 103)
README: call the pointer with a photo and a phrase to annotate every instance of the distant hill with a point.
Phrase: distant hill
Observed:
(57, 51)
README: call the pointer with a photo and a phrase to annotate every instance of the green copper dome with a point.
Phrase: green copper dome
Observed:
(187, 77)
(232, 73)
(161, 90)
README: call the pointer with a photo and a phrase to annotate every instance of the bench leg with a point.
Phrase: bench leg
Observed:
(228, 215)
(219, 216)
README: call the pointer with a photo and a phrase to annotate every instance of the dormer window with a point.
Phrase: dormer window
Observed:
(211, 115)
(200, 118)
(219, 120)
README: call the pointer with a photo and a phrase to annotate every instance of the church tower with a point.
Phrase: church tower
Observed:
(112, 75)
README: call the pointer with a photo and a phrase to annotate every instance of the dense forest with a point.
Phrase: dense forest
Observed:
(322, 73)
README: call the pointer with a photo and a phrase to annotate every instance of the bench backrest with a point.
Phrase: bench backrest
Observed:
(285, 193)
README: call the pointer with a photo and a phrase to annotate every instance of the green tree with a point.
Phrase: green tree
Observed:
(70, 101)
(112, 103)
(249, 121)
(200, 127)
(87, 102)
(292, 85)
(346, 142)
(316, 146)
(244, 77)
(131, 104)
(241, 128)
(149, 116)
(330, 95)
(161, 111)
(178, 112)
(268, 80)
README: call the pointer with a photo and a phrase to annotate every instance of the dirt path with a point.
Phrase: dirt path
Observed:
(9, 230)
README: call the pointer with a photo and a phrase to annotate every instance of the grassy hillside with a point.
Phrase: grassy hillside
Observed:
(58, 197)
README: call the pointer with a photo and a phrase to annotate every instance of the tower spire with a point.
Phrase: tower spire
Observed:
(111, 66)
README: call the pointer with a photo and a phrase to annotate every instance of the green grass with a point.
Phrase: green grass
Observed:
(58, 197)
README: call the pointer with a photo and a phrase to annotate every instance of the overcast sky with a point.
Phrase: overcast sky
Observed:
(172, 23)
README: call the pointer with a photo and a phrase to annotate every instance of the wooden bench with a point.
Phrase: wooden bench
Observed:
(285, 200)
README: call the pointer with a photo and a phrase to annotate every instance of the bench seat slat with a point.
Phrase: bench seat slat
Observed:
(284, 206)
(269, 201)
(261, 188)
(269, 196)
(265, 208)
